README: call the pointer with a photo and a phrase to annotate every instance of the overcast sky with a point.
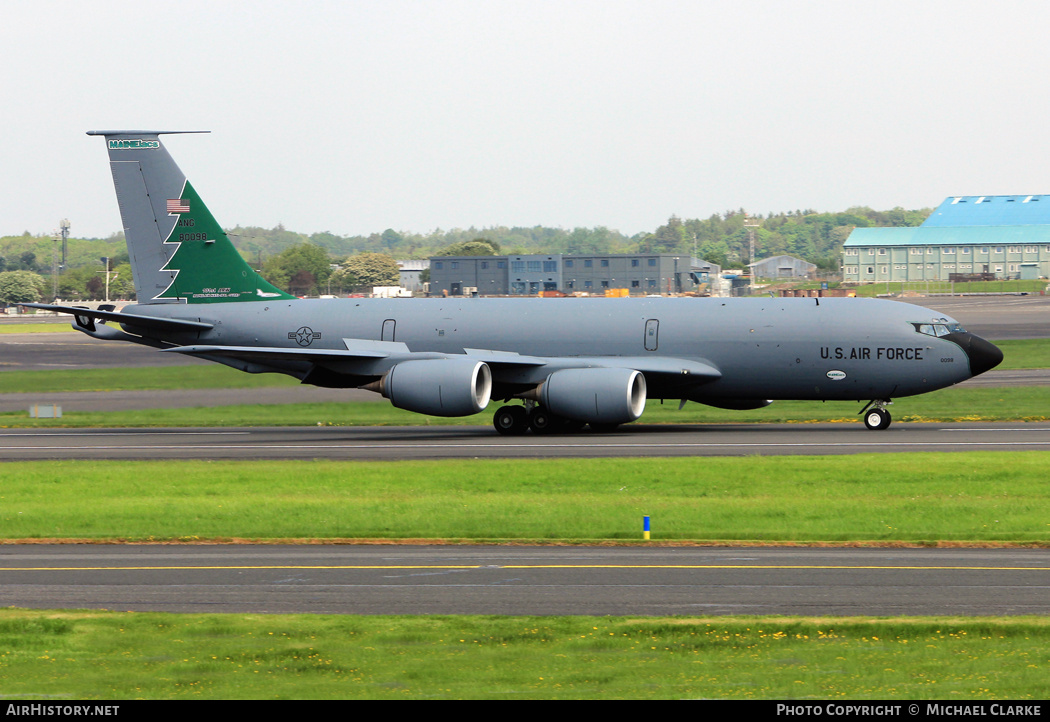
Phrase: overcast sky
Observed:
(357, 116)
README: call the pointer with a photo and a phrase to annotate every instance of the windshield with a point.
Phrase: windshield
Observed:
(939, 327)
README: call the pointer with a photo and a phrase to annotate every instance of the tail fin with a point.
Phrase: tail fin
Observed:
(179, 254)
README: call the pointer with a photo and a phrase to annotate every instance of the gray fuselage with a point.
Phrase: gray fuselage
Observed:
(764, 348)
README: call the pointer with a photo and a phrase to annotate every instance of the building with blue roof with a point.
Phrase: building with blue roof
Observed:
(976, 236)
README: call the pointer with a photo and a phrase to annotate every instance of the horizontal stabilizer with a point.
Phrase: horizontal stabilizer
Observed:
(85, 316)
(143, 132)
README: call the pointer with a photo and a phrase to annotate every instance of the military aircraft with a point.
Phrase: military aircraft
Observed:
(571, 362)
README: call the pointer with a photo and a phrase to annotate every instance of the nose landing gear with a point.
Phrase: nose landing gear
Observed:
(876, 416)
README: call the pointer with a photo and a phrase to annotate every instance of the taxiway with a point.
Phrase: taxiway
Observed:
(481, 442)
(521, 580)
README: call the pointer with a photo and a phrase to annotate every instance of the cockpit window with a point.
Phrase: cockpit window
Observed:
(939, 327)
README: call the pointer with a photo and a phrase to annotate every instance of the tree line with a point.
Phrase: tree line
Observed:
(322, 263)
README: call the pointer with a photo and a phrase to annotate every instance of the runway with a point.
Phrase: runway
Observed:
(458, 442)
(691, 581)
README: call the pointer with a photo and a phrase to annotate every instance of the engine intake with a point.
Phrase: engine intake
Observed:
(439, 387)
(597, 395)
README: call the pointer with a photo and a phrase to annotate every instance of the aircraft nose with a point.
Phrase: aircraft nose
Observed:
(983, 355)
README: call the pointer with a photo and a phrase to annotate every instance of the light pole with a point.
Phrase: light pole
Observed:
(105, 259)
(751, 225)
(54, 266)
(63, 226)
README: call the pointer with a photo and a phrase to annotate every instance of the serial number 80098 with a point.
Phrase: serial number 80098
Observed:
(193, 236)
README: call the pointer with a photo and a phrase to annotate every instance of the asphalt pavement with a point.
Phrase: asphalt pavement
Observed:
(481, 442)
(523, 580)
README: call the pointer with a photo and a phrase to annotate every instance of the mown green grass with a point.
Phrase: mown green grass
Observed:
(979, 497)
(1003, 286)
(10, 327)
(111, 656)
(955, 404)
(148, 378)
(1031, 353)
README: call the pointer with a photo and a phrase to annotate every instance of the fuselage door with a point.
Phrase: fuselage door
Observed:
(652, 333)
(388, 330)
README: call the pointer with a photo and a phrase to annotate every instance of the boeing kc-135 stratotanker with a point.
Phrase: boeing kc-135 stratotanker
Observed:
(571, 362)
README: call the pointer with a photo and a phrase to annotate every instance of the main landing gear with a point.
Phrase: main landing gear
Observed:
(511, 420)
(876, 416)
(516, 420)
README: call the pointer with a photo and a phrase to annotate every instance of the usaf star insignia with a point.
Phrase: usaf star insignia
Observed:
(304, 336)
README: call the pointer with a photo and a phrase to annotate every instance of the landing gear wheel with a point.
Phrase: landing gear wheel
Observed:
(877, 419)
(542, 421)
(511, 420)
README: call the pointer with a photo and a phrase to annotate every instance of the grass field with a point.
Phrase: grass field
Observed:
(1024, 354)
(955, 404)
(23, 327)
(945, 287)
(108, 656)
(149, 378)
(978, 497)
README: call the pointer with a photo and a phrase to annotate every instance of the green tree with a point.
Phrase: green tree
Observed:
(476, 247)
(391, 238)
(716, 252)
(373, 269)
(121, 284)
(26, 262)
(342, 281)
(21, 287)
(302, 269)
(667, 238)
(588, 240)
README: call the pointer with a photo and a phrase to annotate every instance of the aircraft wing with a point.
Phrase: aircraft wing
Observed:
(364, 357)
(361, 357)
(85, 318)
(691, 371)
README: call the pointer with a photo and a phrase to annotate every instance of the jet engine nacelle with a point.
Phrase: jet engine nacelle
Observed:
(440, 387)
(600, 396)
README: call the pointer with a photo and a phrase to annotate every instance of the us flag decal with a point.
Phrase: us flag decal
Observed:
(177, 205)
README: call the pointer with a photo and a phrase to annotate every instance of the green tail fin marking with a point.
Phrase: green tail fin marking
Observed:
(208, 269)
